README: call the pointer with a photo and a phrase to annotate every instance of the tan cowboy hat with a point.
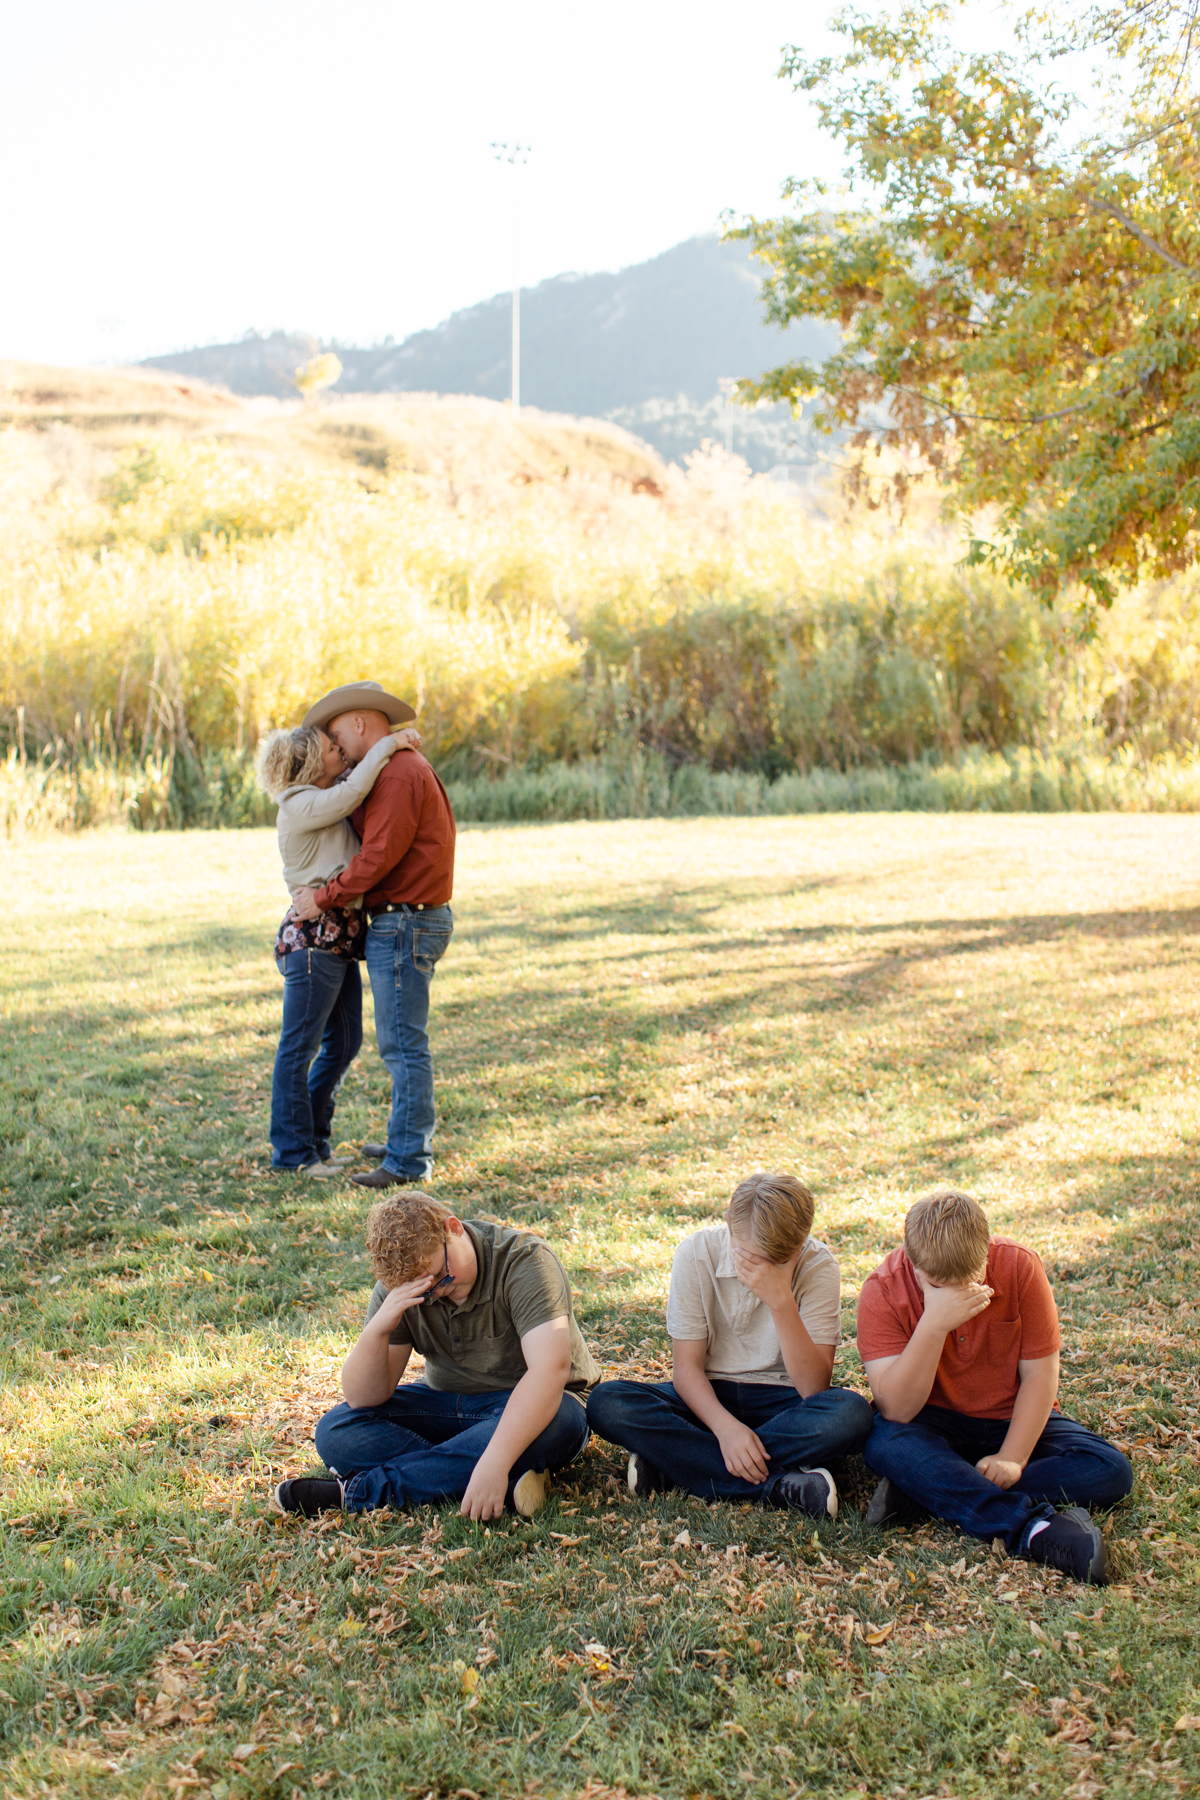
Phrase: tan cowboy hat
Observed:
(359, 696)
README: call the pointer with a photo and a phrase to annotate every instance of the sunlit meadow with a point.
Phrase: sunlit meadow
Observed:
(631, 1016)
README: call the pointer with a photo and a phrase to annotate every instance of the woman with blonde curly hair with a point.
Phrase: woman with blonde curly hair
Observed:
(318, 958)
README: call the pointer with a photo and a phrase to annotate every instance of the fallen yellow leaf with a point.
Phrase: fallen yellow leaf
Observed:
(881, 1635)
(468, 1681)
(1188, 1722)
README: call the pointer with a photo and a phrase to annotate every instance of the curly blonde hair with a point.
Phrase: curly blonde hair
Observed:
(403, 1232)
(287, 757)
(774, 1211)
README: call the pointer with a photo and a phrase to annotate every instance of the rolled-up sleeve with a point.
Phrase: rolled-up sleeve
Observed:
(686, 1318)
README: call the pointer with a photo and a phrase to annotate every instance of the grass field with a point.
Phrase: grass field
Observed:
(631, 1016)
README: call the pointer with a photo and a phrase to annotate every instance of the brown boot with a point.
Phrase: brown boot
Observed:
(381, 1178)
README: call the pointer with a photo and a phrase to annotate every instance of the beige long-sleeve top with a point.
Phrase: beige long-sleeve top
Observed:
(316, 838)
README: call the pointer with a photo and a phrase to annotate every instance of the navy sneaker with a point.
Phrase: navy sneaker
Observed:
(811, 1491)
(1071, 1543)
(885, 1503)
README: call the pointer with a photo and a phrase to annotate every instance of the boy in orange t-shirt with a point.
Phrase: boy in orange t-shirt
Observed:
(958, 1333)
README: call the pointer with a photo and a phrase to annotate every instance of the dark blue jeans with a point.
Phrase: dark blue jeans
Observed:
(403, 949)
(932, 1460)
(322, 1011)
(651, 1419)
(421, 1446)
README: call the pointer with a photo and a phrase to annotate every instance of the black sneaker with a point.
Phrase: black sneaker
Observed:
(811, 1491)
(1072, 1544)
(885, 1503)
(642, 1478)
(308, 1496)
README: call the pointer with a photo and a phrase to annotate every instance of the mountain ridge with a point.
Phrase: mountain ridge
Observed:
(645, 346)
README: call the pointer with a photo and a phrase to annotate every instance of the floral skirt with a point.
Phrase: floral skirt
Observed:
(342, 930)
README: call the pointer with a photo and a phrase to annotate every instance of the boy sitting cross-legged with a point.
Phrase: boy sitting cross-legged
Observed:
(506, 1369)
(959, 1336)
(753, 1314)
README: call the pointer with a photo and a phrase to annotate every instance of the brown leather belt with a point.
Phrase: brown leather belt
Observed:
(392, 906)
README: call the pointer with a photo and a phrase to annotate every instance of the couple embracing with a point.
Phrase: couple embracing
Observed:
(366, 833)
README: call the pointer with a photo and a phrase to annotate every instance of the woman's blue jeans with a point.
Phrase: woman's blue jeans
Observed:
(420, 1447)
(322, 1018)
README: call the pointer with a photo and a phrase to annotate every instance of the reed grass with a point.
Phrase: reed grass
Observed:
(583, 645)
(217, 790)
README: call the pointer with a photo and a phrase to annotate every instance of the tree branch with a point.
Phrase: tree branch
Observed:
(1143, 237)
(956, 412)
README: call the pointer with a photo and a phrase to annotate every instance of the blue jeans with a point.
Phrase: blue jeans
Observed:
(403, 949)
(932, 1460)
(651, 1419)
(322, 1010)
(421, 1446)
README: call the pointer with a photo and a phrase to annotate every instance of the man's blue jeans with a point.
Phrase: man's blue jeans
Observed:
(421, 1446)
(322, 1010)
(932, 1460)
(403, 950)
(651, 1419)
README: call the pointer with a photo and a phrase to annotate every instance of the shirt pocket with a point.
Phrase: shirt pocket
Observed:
(1001, 1346)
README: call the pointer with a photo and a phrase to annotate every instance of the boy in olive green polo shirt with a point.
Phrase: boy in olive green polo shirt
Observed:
(506, 1372)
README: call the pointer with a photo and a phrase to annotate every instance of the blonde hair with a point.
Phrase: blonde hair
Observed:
(403, 1232)
(946, 1234)
(774, 1211)
(287, 757)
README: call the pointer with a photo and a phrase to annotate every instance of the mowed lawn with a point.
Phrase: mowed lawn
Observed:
(631, 1017)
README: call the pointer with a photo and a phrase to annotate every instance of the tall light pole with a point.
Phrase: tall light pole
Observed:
(728, 386)
(515, 155)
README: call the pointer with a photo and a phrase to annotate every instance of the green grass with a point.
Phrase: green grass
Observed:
(631, 1017)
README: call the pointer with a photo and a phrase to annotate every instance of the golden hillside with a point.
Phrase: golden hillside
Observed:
(458, 440)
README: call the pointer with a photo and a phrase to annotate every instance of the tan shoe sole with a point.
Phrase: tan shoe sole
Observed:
(530, 1493)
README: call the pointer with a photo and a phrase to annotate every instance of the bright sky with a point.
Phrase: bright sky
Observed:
(174, 174)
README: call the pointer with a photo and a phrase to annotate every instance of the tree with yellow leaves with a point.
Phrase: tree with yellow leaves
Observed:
(314, 376)
(1017, 279)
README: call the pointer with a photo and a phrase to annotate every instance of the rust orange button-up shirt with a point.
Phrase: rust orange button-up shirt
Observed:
(977, 1374)
(407, 831)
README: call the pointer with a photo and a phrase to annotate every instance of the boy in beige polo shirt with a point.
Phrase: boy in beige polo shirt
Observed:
(754, 1318)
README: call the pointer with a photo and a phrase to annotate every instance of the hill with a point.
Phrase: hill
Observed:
(645, 347)
(457, 443)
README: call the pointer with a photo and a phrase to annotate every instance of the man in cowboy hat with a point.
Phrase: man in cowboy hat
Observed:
(405, 875)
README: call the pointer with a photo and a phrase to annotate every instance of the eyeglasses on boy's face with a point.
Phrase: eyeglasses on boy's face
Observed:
(445, 1279)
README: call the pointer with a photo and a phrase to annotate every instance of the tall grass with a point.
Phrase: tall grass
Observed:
(574, 647)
